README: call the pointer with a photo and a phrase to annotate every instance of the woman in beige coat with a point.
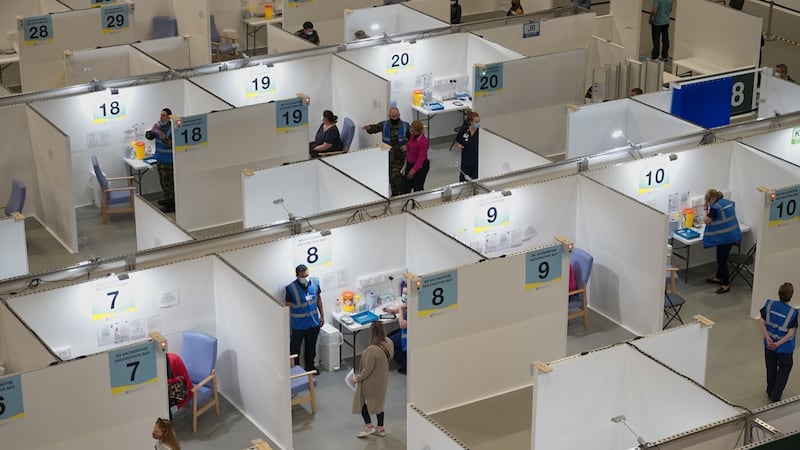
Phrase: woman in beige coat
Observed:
(373, 380)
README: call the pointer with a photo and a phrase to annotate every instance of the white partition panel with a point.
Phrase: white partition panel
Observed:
(15, 251)
(781, 144)
(295, 13)
(422, 432)
(154, 229)
(325, 189)
(627, 280)
(173, 52)
(361, 165)
(721, 37)
(661, 100)
(9, 9)
(556, 35)
(669, 347)
(211, 173)
(116, 420)
(347, 80)
(784, 417)
(536, 117)
(627, 19)
(453, 355)
(390, 19)
(498, 155)
(620, 381)
(193, 19)
(40, 64)
(777, 97)
(439, 9)
(80, 318)
(284, 41)
(52, 165)
(20, 349)
(253, 358)
(108, 63)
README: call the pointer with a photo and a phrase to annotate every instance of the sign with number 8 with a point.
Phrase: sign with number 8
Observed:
(438, 293)
(313, 251)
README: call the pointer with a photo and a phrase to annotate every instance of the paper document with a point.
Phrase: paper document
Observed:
(348, 379)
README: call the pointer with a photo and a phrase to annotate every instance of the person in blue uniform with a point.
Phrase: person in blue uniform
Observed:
(778, 325)
(394, 133)
(467, 142)
(722, 231)
(161, 133)
(306, 315)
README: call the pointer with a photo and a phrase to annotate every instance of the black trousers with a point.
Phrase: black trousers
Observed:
(723, 272)
(778, 367)
(167, 179)
(417, 182)
(660, 33)
(310, 351)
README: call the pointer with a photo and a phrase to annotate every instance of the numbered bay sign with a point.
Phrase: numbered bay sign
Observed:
(531, 29)
(132, 366)
(109, 110)
(291, 115)
(438, 293)
(542, 266)
(112, 297)
(313, 251)
(653, 178)
(191, 134)
(11, 406)
(400, 59)
(97, 3)
(37, 29)
(488, 79)
(296, 3)
(115, 18)
(795, 135)
(784, 209)
(258, 81)
(491, 213)
(742, 98)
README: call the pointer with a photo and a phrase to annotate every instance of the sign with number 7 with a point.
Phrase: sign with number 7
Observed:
(112, 297)
(132, 366)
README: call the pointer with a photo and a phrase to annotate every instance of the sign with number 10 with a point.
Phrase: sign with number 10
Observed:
(653, 178)
(784, 208)
(438, 293)
(132, 366)
(313, 251)
(542, 266)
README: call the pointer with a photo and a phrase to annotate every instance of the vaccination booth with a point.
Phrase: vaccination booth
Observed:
(324, 189)
(154, 229)
(103, 123)
(202, 294)
(108, 63)
(449, 82)
(619, 124)
(777, 97)
(627, 281)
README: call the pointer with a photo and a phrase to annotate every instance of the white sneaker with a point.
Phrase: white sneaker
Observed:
(380, 432)
(366, 432)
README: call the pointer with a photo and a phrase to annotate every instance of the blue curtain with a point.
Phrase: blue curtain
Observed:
(706, 103)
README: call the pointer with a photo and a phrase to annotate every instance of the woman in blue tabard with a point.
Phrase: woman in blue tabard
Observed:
(722, 231)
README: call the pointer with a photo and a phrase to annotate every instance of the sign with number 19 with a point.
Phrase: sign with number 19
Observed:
(291, 115)
(438, 293)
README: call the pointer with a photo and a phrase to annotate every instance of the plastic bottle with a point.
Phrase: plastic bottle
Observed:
(358, 304)
(402, 286)
(338, 305)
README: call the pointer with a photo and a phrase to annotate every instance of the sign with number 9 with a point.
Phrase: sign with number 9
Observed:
(543, 266)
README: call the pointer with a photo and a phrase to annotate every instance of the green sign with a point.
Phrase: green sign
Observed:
(542, 266)
(795, 135)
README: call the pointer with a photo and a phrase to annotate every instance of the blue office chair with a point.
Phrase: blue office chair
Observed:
(199, 354)
(113, 200)
(301, 381)
(16, 200)
(348, 131)
(219, 48)
(581, 263)
(164, 27)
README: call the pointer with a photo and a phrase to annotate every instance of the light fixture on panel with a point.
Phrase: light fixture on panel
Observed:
(375, 27)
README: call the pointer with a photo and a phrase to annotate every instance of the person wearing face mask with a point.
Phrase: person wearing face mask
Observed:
(782, 71)
(164, 434)
(395, 133)
(308, 33)
(306, 315)
(417, 164)
(467, 142)
(161, 133)
(327, 138)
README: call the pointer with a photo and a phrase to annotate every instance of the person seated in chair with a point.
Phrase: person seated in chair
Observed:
(308, 33)
(328, 138)
(175, 371)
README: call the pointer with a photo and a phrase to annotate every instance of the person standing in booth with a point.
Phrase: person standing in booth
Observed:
(467, 141)
(659, 28)
(372, 381)
(399, 337)
(417, 164)
(394, 133)
(164, 434)
(161, 133)
(722, 231)
(306, 315)
(778, 324)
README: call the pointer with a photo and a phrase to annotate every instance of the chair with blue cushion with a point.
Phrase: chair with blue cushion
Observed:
(16, 200)
(199, 354)
(219, 48)
(581, 263)
(113, 200)
(302, 381)
(164, 27)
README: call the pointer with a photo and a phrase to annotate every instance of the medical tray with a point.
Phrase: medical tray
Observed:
(687, 233)
(364, 317)
(435, 106)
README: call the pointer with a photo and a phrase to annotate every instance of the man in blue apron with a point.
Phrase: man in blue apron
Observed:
(395, 134)
(162, 134)
(778, 325)
(306, 315)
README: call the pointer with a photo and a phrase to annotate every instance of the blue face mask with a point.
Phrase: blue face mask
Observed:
(476, 125)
